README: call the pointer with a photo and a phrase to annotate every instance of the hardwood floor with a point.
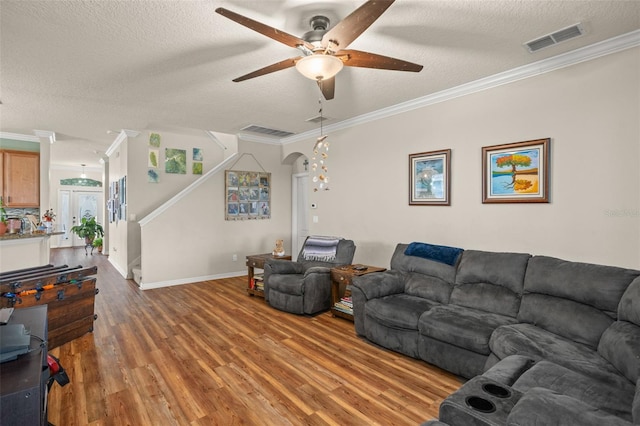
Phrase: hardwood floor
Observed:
(209, 354)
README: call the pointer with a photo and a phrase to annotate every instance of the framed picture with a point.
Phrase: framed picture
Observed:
(516, 172)
(429, 178)
(247, 195)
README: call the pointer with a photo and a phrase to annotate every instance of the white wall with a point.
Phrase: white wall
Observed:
(130, 158)
(589, 110)
(192, 241)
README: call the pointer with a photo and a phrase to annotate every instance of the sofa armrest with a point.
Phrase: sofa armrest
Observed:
(317, 270)
(379, 284)
(278, 266)
(509, 369)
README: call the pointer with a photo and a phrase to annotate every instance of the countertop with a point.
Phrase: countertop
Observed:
(6, 237)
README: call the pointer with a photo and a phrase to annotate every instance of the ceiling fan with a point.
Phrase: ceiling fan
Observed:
(325, 50)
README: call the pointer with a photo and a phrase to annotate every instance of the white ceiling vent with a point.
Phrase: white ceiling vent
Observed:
(317, 119)
(554, 38)
(266, 131)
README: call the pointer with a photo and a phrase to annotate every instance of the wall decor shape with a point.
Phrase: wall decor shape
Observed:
(516, 172)
(197, 154)
(153, 176)
(154, 157)
(196, 168)
(175, 161)
(154, 140)
(429, 178)
(248, 195)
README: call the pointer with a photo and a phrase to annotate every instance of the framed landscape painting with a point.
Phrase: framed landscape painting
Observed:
(429, 182)
(516, 172)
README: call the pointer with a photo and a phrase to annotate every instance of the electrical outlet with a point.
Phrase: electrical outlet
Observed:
(234, 257)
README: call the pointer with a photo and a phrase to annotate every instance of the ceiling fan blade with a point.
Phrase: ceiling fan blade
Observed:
(357, 58)
(287, 63)
(347, 30)
(264, 29)
(327, 87)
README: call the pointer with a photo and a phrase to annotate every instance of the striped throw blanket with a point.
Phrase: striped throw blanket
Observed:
(321, 249)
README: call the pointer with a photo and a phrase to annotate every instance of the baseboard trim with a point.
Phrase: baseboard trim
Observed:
(159, 284)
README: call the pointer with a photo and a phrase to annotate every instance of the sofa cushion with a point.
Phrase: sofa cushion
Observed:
(490, 282)
(629, 306)
(635, 408)
(540, 344)
(615, 400)
(442, 254)
(402, 262)
(398, 310)
(463, 327)
(286, 283)
(575, 321)
(427, 287)
(594, 285)
(620, 345)
(541, 406)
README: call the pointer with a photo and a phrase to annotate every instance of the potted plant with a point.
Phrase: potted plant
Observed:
(97, 243)
(88, 229)
(3, 218)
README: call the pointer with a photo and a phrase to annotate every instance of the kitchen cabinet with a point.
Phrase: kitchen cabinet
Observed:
(20, 178)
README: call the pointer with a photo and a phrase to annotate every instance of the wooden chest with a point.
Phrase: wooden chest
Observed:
(69, 293)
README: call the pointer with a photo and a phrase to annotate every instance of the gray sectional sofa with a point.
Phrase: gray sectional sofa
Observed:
(560, 338)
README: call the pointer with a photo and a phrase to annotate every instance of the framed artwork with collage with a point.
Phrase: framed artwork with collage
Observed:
(247, 195)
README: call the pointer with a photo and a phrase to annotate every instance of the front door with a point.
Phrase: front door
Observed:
(73, 206)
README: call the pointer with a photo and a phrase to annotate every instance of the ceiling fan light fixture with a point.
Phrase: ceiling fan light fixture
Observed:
(319, 66)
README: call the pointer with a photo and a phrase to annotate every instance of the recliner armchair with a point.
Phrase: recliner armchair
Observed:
(304, 286)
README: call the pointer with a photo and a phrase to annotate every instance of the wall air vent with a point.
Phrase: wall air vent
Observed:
(554, 38)
(266, 131)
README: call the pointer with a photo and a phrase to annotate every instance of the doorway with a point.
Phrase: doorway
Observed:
(299, 212)
(73, 205)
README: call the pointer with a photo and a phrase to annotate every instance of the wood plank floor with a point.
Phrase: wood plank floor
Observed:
(209, 354)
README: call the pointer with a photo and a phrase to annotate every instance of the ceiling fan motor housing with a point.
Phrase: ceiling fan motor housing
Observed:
(320, 25)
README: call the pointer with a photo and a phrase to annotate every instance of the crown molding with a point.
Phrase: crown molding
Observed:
(124, 134)
(587, 53)
(46, 134)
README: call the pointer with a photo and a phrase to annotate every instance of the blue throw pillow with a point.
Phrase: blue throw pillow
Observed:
(443, 254)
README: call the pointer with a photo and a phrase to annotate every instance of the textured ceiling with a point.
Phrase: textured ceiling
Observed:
(82, 68)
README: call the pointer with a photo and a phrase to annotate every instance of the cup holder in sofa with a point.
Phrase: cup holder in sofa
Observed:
(480, 404)
(496, 390)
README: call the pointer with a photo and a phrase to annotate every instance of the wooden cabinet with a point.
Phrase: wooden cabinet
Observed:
(257, 261)
(20, 179)
(341, 277)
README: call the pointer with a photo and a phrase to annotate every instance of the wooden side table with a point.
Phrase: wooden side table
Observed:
(257, 261)
(342, 276)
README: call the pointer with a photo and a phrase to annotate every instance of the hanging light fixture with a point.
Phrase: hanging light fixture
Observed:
(318, 161)
(83, 175)
(319, 66)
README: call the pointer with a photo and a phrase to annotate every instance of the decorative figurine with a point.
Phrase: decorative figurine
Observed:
(279, 250)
